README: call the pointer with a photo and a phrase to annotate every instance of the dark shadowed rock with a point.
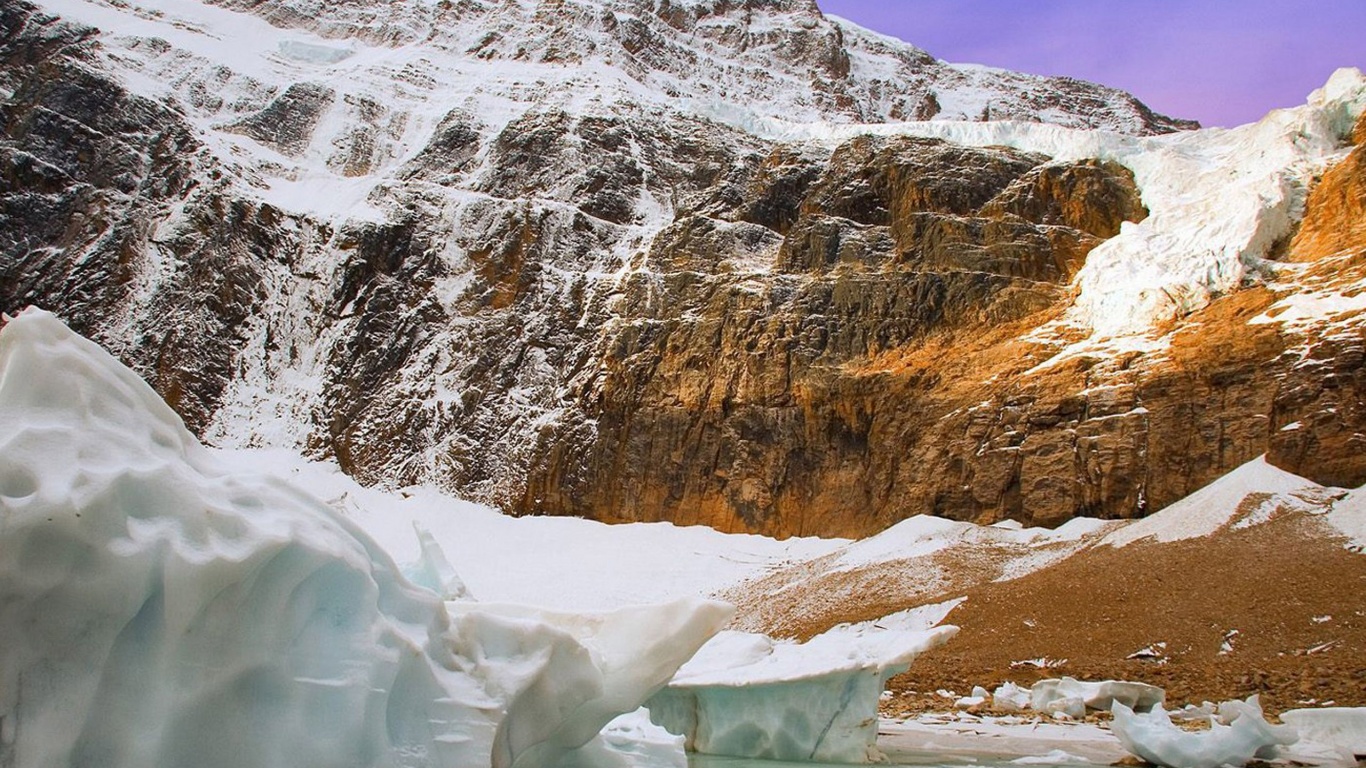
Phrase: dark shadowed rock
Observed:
(287, 123)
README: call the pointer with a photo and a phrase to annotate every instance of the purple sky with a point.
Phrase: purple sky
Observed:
(1222, 62)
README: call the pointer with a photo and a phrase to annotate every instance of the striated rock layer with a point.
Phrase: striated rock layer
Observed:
(431, 244)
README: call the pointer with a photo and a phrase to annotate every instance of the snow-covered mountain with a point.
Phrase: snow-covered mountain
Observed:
(707, 261)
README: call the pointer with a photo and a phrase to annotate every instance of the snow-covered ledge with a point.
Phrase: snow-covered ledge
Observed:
(747, 695)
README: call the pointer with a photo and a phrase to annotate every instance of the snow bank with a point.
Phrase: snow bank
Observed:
(1340, 727)
(156, 610)
(547, 561)
(925, 534)
(747, 695)
(1349, 517)
(1216, 505)
(1153, 737)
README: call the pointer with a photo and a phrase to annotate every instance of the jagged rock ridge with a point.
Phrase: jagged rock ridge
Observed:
(430, 244)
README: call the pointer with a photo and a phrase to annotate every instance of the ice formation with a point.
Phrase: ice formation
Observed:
(1010, 697)
(1340, 727)
(1074, 697)
(747, 695)
(156, 610)
(1153, 737)
(978, 697)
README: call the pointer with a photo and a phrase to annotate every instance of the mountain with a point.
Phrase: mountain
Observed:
(699, 261)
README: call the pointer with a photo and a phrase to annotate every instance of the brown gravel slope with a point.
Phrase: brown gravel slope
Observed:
(1274, 583)
(1290, 587)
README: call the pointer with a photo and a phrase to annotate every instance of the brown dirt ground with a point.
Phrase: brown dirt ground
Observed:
(1270, 582)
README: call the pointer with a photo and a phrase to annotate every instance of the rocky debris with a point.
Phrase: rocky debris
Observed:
(1269, 581)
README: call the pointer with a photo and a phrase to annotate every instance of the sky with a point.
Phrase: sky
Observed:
(1222, 62)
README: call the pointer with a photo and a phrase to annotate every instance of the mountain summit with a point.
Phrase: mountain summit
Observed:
(689, 261)
(763, 58)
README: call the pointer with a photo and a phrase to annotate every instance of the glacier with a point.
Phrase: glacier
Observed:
(748, 695)
(1214, 222)
(159, 610)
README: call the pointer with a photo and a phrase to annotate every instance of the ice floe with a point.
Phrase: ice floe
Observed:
(1153, 737)
(747, 695)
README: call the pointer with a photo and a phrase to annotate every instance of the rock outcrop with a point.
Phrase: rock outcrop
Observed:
(1319, 419)
(741, 397)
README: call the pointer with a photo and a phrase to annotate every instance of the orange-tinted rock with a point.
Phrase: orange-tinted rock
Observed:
(1335, 218)
(881, 373)
(1318, 426)
(782, 403)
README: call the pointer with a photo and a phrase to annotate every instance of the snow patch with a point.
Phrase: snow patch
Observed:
(1216, 505)
(1348, 516)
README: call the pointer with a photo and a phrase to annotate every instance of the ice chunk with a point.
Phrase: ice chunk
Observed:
(641, 742)
(747, 695)
(1054, 695)
(156, 610)
(978, 697)
(1340, 727)
(433, 570)
(1153, 737)
(1065, 708)
(1010, 697)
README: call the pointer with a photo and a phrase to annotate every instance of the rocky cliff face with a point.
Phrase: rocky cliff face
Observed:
(740, 396)
(430, 244)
